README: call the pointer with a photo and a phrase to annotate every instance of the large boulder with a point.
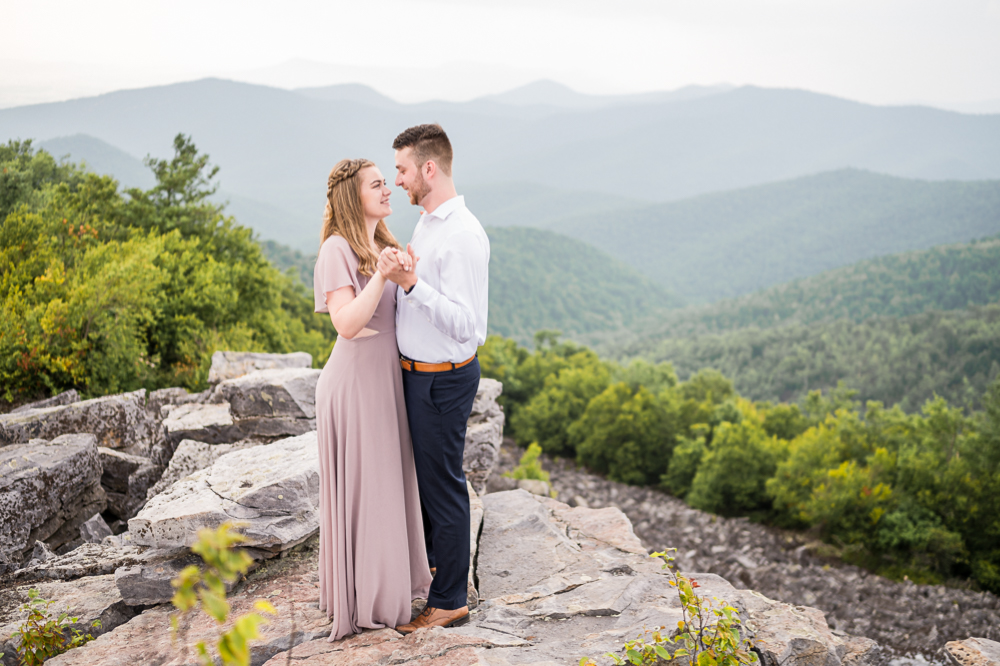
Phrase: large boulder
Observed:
(285, 392)
(190, 457)
(88, 599)
(119, 422)
(272, 489)
(483, 435)
(47, 490)
(230, 365)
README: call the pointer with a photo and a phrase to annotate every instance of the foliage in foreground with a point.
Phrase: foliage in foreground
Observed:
(108, 291)
(207, 588)
(708, 633)
(529, 467)
(43, 636)
(915, 494)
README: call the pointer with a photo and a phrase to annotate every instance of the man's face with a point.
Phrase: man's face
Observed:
(409, 176)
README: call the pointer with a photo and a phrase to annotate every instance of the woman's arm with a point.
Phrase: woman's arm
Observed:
(350, 313)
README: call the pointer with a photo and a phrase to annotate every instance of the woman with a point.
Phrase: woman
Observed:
(372, 558)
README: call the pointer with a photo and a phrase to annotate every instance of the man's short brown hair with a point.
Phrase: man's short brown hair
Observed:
(429, 142)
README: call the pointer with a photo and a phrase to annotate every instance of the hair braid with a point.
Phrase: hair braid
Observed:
(344, 215)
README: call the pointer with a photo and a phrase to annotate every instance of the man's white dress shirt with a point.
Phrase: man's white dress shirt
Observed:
(443, 318)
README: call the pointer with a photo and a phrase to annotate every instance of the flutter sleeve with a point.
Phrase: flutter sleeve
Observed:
(336, 267)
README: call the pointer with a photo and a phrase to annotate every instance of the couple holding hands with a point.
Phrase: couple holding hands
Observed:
(393, 399)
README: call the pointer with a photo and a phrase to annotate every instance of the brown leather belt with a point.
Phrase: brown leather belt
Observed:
(433, 367)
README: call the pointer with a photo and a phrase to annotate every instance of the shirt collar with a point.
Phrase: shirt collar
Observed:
(447, 208)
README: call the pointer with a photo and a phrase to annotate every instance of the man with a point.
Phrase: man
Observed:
(441, 309)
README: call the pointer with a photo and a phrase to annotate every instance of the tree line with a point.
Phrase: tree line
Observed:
(108, 290)
(902, 493)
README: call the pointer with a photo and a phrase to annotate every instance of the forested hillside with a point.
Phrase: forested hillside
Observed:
(542, 280)
(904, 361)
(732, 243)
(947, 277)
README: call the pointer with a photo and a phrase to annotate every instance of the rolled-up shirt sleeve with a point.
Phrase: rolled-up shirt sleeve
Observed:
(452, 310)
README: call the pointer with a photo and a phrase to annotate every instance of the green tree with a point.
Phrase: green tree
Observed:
(628, 434)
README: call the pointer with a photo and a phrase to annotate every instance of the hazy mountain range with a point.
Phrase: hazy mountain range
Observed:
(277, 146)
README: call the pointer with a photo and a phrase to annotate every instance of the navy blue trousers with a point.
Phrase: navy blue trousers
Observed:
(438, 405)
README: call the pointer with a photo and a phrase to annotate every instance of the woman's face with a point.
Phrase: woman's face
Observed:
(374, 194)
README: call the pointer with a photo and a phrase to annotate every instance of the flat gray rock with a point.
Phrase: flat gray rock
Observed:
(230, 365)
(64, 398)
(190, 457)
(212, 423)
(90, 559)
(273, 489)
(289, 392)
(47, 490)
(119, 422)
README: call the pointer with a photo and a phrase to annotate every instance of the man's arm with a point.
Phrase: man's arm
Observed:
(452, 310)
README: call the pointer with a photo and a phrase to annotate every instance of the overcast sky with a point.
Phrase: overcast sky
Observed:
(881, 51)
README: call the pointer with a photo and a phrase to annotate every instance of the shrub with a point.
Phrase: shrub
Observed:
(43, 636)
(731, 479)
(683, 466)
(529, 467)
(628, 435)
(546, 418)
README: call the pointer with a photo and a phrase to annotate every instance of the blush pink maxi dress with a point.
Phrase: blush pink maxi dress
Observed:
(372, 557)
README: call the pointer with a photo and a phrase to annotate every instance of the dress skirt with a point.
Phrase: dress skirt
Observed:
(372, 557)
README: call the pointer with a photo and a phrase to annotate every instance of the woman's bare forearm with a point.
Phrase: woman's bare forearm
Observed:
(350, 313)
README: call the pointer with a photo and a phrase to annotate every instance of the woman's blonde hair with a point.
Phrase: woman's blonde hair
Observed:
(345, 215)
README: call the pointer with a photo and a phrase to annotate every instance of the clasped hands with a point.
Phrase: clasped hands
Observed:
(398, 266)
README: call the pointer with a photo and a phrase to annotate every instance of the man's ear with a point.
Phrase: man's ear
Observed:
(430, 169)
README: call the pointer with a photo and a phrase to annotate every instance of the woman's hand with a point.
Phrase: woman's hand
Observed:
(399, 266)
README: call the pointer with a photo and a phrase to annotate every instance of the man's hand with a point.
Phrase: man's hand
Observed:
(399, 267)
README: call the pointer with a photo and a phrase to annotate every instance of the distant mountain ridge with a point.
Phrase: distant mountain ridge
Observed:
(277, 146)
(731, 243)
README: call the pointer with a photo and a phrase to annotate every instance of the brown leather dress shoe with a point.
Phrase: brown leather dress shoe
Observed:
(435, 617)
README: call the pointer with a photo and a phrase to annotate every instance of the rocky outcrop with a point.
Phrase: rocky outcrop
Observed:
(273, 490)
(47, 490)
(974, 652)
(555, 582)
(89, 599)
(119, 422)
(230, 365)
(901, 616)
(560, 583)
(484, 434)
